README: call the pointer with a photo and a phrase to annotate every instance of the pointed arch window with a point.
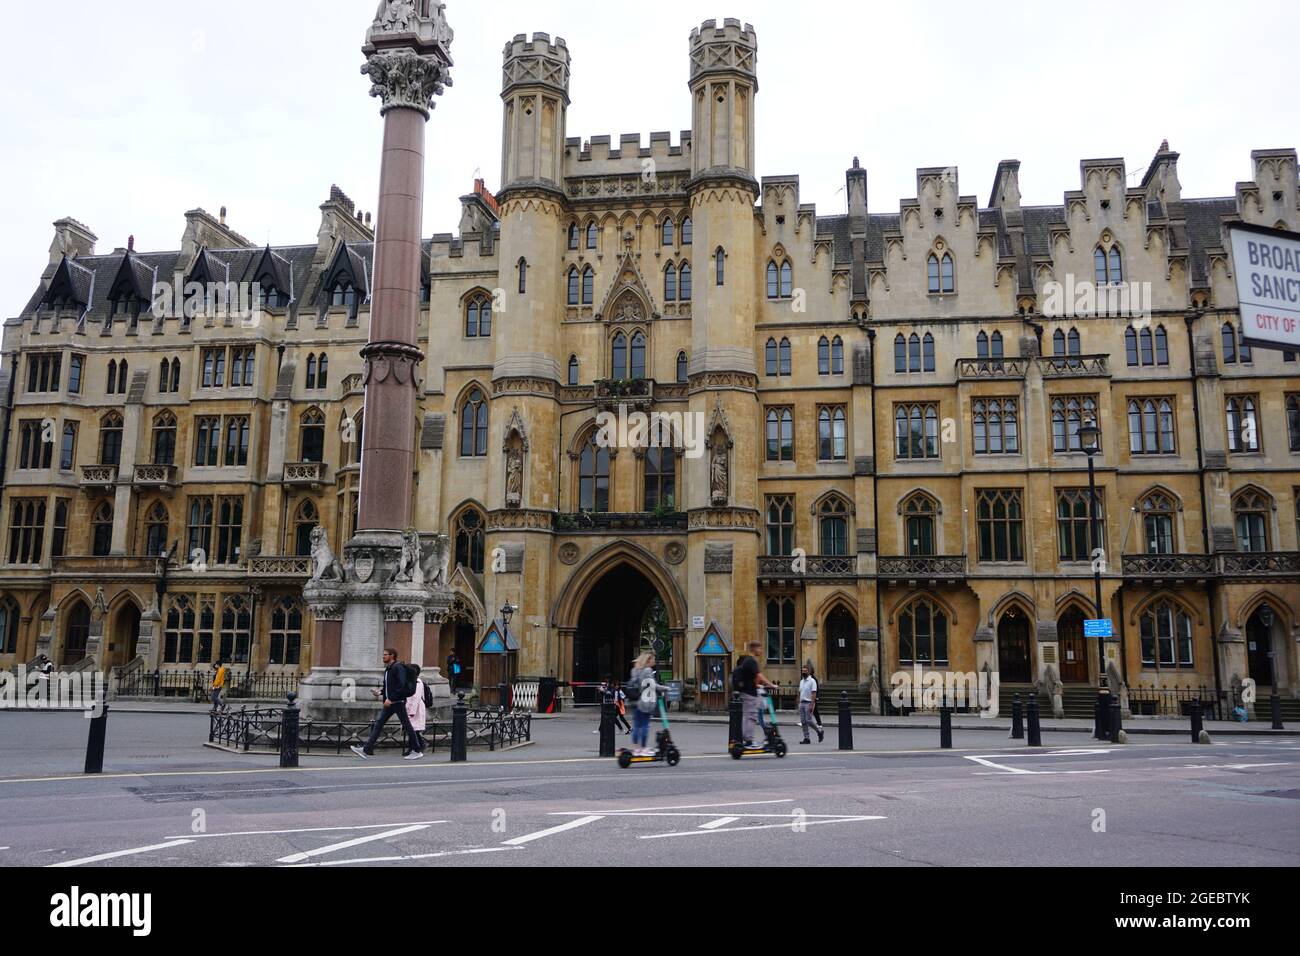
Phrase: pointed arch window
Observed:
(573, 370)
(1251, 511)
(923, 634)
(523, 277)
(286, 631)
(786, 363)
(101, 530)
(573, 235)
(588, 286)
(478, 317)
(618, 357)
(155, 530)
(670, 283)
(682, 372)
(573, 285)
(833, 526)
(900, 353)
(982, 345)
(780, 434)
(837, 356)
(927, 352)
(593, 233)
(1243, 428)
(110, 439)
(468, 530)
(832, 433)
(1108, 266)
(1293, 421)
(770, 361)
(164, 438)
(636, 367)
(660, 470)
(593, 475)
(305, 521)
(473, 425)
(688, 230)
(914, 353)
(1157, 511)
(916, 431)
(823, 356)
(666, 233)
(68, 450)
(919, 525)
(1151, 426)
(684, 283)
(1229, 336)
(941, 275)
(164, 375)
(313, 435)
(780, 525)
(344, 293)
(780, 280)
(1166, 636)
(720, 265)
(311, 371)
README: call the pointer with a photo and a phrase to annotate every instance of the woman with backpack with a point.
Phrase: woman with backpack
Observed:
(645, 684)
(418, 704)
(620, 708)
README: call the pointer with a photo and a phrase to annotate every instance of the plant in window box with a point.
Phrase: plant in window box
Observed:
(565, 523)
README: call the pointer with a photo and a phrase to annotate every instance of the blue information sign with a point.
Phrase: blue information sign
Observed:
(1098, 628)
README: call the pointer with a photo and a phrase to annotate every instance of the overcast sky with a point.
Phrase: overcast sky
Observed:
(124, 115)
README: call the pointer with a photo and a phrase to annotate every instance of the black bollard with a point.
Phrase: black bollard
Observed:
(1099, 719)
(1116, 719)
(945, 725)
(846, 722)
(289, 734)
(1035, 733)
(458, 712)
(1195, 710)
(607, 728)
(1017, 719)
(1275, 709)
(733, 720)
(503, 689)
(95, 742)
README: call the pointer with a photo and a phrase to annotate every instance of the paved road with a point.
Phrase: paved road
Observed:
(167, 801)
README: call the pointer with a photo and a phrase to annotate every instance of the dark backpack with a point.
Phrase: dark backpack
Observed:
(738, 676)
(409, 680)
(428, 696)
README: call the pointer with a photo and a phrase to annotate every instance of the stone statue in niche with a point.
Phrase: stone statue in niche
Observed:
(514, 476)
(718, 467)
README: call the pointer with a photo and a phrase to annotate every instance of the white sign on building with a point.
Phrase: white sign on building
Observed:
(1266, 265)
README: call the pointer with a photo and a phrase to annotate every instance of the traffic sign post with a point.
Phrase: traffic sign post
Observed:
(1266, 268)
(1101, 628)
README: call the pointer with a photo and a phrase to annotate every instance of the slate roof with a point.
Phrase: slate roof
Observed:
(1205, 231)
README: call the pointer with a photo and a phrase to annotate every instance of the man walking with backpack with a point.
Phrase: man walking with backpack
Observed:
(399, 684)
(745, 680)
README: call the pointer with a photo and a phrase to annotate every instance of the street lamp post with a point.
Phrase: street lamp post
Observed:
(507, 611)
(1274, 702)
(1090, 442)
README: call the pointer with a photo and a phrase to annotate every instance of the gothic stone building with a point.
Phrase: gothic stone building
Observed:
(888, 404)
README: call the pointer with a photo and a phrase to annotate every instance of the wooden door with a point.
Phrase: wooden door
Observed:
(841, 647)
(1259, 641)
(1074, 648)
(1013, 648)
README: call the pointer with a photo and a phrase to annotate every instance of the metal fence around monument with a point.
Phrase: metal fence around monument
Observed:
(259, 729)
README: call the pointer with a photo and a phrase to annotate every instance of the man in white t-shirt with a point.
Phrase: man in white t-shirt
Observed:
(807, 701)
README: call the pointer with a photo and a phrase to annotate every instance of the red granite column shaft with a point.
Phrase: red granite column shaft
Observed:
(388, 439)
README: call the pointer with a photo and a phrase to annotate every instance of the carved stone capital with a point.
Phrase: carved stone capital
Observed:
(403, 79)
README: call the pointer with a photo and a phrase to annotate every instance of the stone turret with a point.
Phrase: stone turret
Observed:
(723, 83)
(535, 91)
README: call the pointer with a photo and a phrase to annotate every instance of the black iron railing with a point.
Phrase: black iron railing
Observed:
(1168, 565)
(259, 729)
(197, 685)
(1177, 702)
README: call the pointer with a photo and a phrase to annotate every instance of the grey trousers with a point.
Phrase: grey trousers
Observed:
(749, 717)
(806, 718)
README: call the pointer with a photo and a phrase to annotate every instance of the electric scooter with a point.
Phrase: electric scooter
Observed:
(773, 743)
(664, 748)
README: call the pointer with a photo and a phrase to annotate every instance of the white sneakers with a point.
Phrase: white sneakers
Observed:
(360, 751)
(414, 755)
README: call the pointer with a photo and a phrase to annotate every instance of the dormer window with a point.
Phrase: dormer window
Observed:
(344, 294)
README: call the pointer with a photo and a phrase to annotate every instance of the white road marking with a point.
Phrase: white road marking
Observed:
(412, 856)
(368, 826)
(119, 853)
(720, 822)
(333, 847)
(765, 826)
(571, 825)
(1004, 769)
(997, 766)
(688, 806)
(1229, 766)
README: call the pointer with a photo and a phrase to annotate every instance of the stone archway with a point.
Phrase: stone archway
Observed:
(124, 632)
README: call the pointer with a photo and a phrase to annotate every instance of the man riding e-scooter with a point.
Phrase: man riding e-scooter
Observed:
(747, 679)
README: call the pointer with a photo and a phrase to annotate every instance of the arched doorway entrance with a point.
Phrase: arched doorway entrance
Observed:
(76, 632)
(123, 635)
(1014, 665)
(1261, 628)
(622, 616)
(1074, 648)
(841, 647)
